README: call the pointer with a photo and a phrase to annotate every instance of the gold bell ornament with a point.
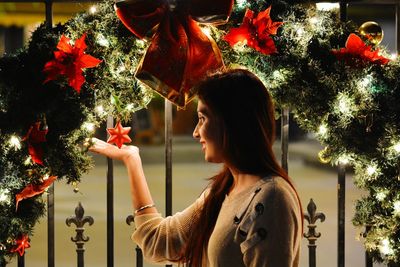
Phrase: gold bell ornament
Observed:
(372, 31)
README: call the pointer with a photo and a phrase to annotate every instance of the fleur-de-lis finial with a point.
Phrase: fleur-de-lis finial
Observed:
(312, 216)
(79, 220)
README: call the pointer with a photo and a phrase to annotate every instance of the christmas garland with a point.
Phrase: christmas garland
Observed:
(335, 82)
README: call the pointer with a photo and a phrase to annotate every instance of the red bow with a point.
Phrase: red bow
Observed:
(33, 190)
(180, 54)
(357, 49)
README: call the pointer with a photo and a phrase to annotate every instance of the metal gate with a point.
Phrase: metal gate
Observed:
(311, 215)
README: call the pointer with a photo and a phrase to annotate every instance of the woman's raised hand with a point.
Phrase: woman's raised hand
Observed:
(103, 148)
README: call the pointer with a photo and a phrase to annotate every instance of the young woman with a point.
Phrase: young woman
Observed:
(250, 214)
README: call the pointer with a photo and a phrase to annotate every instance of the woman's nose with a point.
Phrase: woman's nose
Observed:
(196, 134)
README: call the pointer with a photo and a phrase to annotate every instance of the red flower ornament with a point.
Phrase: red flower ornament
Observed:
(357, 49)
(69, 61)
(22, 244)
(119, 135)
(33, 190)
(35, 137)
(256, 32)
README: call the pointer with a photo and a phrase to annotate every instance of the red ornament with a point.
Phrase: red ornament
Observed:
(69, 61)
(357, 49)
(33, 190)
(35, 137)
(256, 32)
(22, 244)
(119, 135)
(180, 54)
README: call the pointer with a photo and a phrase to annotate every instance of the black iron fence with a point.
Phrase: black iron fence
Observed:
(79, 220)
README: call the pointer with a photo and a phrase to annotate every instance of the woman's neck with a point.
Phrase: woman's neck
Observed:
(242, 181)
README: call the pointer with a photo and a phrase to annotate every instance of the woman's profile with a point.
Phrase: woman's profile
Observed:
(250, 214)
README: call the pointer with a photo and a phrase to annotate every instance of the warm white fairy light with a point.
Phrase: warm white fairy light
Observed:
(344, 159)
(371, 170)
(4, 196)
(121, 68)
(327, 6)
(300, 31)
(323, 130)
(396, 147)
(314, 20)
(28, 161)
(385, 248)
(241, 3)
(130, 107)
(88, 126)
(381, 195)
(345, 107)
(396, 208)
(15, 142)
(102, 41)
(93, 9)
(364, 84)
(393, 56)
(140, 43)
(206, 30)
(100, 110)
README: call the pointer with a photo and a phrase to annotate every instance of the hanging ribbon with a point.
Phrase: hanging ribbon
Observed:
(180, 54)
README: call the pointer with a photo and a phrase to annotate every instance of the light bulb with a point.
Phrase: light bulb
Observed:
(396, 208)
(15, 142)
(93, 9)
(88, 126)
(371, 170)
(385, 248)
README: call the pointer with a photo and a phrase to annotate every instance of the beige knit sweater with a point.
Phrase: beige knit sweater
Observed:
(260, 227)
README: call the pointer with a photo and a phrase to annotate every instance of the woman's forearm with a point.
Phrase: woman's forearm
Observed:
(140, 193)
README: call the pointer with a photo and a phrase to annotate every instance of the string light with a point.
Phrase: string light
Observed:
(140, 43)
(93, 9)
(100, 110)
(381, 195)
(88, 126)
(385, 248)
(323, 130)
(15, 142)
(393, 56)
(327, 6)
(396, 208)
(364, 84)
(396, 147)
(371, 170)
(102, 41)
(4, 196)
(241, 3)
(344, 159)
(130, 107)
(300, 32)
(28, 161)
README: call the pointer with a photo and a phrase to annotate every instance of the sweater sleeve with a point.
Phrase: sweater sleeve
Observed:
(162, 239)
(273, 238)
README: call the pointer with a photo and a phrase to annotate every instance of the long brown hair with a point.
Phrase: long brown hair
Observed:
(244, 107)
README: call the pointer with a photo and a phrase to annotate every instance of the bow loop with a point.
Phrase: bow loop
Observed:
(180, 54)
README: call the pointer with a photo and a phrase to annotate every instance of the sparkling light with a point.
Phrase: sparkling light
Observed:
(28, 161)
(314, 20)
(323, 130)
(396, 147)
(381, 195)
(385, 247)
(344, 159)
(300, 31)
(100, 110)
(241, 3)
(393, 56)
(364, 84)
(206, 30)
(371, 170)
(15, 142)
(93, 9)
(140, 43)
(130, 107)
(4, 197)
(396, 208)
(327, 6)
(102, 41)
(88, 126)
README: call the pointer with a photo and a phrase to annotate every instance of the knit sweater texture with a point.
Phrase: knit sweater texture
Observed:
(260, 227)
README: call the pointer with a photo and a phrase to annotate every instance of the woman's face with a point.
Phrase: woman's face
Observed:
(209, 134)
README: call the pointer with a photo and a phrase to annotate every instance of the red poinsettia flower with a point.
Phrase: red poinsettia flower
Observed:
(256, 32)
(21, 244)
(69, 61)
(33, 190)
(35, 137)
(357, 49)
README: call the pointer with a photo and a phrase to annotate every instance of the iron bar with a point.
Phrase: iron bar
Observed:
(110, 204)
(168, 157)
(341, 187)
(312, 216)
(285, 137)
(21, 261)
(139, 255)
(79, 220)
(50, 195)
